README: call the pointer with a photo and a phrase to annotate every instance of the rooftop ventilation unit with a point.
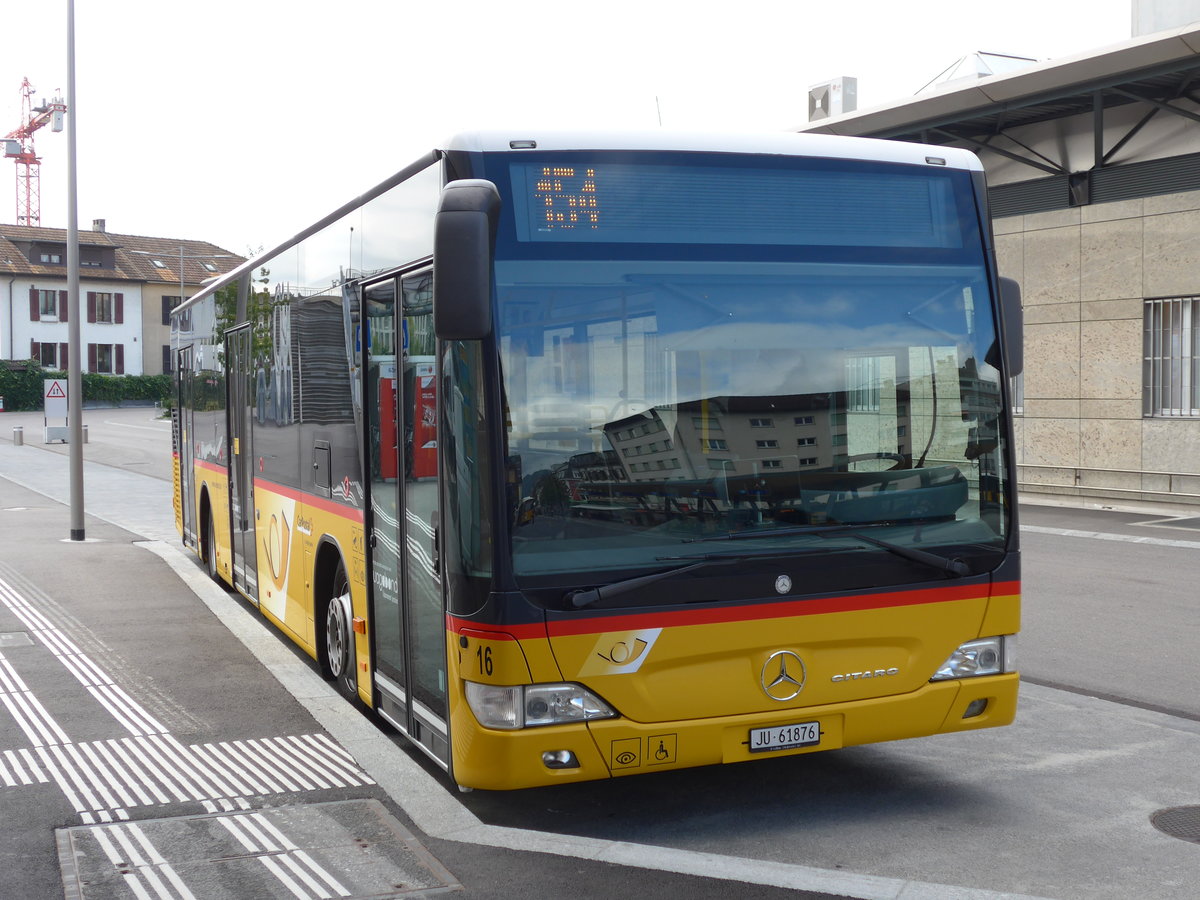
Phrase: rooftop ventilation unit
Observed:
(832, 98)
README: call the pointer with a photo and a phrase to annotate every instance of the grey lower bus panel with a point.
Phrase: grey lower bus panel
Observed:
(430, 737)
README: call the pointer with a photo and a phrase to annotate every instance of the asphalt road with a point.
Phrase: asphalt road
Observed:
(137, 439)
(1057, 805)
(1116, 616)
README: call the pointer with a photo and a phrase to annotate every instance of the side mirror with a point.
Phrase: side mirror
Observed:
(463, 240)
(1013, 319)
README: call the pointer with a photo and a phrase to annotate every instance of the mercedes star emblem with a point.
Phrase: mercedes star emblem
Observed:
(782, 675)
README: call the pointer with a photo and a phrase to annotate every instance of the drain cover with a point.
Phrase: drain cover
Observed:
(1181, 822)
(348, 848)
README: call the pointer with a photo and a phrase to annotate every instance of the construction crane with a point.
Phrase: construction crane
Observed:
(18, 146)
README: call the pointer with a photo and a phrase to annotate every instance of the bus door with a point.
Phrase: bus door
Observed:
(409, 616)
(239, 364)
(184, 403)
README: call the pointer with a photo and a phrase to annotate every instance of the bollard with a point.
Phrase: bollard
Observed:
(85, 439)
(18, 435)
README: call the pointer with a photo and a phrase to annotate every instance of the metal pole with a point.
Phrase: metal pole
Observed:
(74, 377)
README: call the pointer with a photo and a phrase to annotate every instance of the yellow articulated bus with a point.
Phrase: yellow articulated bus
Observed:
(577, 456)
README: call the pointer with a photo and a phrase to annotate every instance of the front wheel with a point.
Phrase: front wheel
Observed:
(339, 637)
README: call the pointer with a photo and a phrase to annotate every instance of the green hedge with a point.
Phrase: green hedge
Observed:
(22, 389)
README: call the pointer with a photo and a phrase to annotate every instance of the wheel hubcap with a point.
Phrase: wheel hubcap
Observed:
(336, 638)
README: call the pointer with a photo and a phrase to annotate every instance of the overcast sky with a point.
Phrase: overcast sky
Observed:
(241, 121)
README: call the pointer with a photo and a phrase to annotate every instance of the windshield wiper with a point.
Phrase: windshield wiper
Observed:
(581, 599)
(954, 567)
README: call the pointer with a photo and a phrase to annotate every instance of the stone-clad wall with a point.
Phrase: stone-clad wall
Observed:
(1084, 275)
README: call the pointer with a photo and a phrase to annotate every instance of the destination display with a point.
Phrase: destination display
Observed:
(803, 203)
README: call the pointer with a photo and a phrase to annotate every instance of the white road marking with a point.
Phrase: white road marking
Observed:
(132, 716)
(157, 429)
(1103, 536)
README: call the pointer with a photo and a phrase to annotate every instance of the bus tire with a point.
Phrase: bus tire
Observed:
(340, 657)
(210, 548)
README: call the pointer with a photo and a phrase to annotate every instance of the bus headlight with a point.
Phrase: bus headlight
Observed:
(526, 706)
(985, 656)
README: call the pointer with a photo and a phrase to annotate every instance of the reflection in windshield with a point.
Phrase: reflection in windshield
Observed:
(653, 403)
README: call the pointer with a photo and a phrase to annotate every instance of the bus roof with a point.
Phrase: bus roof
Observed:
(774, 143)
(782, 143)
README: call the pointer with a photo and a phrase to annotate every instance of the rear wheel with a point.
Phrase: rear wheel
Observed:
(339, 636)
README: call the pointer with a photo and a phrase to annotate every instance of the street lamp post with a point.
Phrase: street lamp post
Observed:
(74, 371)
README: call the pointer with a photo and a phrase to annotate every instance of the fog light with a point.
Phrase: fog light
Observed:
(559, 759)
(975, 708)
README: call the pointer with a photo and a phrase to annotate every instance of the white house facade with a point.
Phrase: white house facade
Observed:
(128, 284)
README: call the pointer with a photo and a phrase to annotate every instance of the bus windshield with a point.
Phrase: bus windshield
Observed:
(710, 363)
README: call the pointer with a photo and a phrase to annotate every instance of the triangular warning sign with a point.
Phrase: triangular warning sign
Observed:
(56, 391)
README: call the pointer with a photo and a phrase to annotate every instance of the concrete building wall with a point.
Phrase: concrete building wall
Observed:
(155, 335)
(1150, 16)
(1086, 273)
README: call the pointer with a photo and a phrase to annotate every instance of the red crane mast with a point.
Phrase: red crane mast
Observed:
(18, 146)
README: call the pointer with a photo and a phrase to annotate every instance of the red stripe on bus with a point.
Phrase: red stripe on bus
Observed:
(740, 613)
(310, 500)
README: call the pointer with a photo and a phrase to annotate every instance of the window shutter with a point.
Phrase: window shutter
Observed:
(35, 351)
(119, 361)
(118, 309)
(91, 315)
(64, 356)
(35, 312)
(166, 359)
(62, 306)
(166, 311)
(91, 358)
